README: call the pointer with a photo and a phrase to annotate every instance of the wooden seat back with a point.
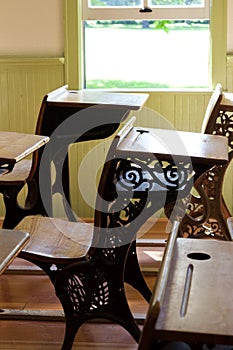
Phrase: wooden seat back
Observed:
(212, 110)
(207, 217)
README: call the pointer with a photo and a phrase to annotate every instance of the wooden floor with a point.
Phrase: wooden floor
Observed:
(18, 291)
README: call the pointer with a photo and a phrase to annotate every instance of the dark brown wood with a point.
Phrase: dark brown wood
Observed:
(150, 248)
(56, 239)
(11, 243)
(88, 98)
(197, 306)
(18, 175)
(171, 144)
(212, 110)
(15, 146)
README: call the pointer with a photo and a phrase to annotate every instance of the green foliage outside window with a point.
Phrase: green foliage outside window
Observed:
(176, 2)
(115, 3)
(138, 2)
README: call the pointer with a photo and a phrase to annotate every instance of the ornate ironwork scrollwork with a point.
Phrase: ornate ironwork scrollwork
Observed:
(73, 291)
(142, 187)
(146, 175)
(203, 217)
(224, 126)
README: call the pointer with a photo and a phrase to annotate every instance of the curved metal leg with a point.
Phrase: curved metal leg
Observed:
(13, 211)
(133, 274)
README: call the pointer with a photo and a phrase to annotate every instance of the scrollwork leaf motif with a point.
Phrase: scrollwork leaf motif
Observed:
(130, 178)
(224, 126)
(176, 176)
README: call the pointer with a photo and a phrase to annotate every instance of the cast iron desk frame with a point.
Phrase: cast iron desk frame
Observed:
(148, 174)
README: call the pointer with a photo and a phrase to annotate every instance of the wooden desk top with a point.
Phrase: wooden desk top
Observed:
(198, 299)
(11, 243)
(15, 146)
(167, 144)
(88, 98)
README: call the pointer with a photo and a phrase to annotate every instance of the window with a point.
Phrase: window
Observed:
(146, 44)
(145, 9)
(74, 44)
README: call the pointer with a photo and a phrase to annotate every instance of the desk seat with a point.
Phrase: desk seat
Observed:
(66, 241)
(11, 242)
(19, 175)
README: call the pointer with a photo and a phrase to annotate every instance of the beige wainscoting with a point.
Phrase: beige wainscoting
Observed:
(230, 73)
(24, 82)
(179, 110)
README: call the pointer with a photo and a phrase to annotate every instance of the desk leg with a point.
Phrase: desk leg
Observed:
(137, 189)
(204, 216)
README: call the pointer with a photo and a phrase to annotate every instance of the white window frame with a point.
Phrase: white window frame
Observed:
(74, 66)
(157, 12)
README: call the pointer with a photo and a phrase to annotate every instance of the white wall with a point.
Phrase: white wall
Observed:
(31, 28)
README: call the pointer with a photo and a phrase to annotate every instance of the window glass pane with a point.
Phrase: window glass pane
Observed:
(177, 2)
(108, 3)
(130, 3)
(145, 9)
(146, 54)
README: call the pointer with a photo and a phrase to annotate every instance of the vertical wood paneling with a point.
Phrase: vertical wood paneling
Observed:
(182, 110)
(86, 161)
(4, 120)
(230, 73)
(23, 83)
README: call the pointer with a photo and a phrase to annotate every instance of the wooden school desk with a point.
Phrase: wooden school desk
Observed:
(192, 300)
(14, 147)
